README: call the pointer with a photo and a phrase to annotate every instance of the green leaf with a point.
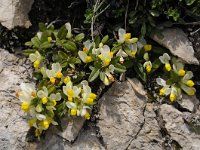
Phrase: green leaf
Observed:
(154, 13)
(51, 89)
(36, 42)
(140, 71)
(62, 55)
(42, 27)
(102, 75)
(97, 41)
(120, 68)
(44, 37)
(70, 46)
(155, 65)
(143, 29)
(105, 39)
(46, 45)
(29, 43)
(189, 2)
(27, 52)
(62, 33)
(79, 37)
(37, 75)
(74, 60)
(94, 74)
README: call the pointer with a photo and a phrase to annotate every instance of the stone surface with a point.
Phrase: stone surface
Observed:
(13, 126)
(189, 102)
(149, 137)
(178, 130)
(177, 42)
(123, 123)
(71, 128)
(15, 13)
(87, 140)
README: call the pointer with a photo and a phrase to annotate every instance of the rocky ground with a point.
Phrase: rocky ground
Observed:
(126, 119)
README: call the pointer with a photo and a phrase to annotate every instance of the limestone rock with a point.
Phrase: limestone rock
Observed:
(177, 42)
(87, 140)
(13, 126)
(178, 130)
(149, 137)
(15, 13)
(121, 114)
(71, 128)
(189, 102)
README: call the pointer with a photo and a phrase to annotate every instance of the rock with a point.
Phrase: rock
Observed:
(71, 128)
(122, 117)
(13, 123)
(149, 137)
(15, 13)
(189, 102)
(177, 42)
(87, 140)
(178, 130)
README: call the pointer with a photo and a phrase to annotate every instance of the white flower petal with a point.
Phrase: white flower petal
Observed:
(71, 105)
(161, 82)
(82, 55)
(40, 117)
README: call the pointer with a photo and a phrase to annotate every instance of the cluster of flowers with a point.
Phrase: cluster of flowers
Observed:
(56, 87)
(41, 104)
(177, 80)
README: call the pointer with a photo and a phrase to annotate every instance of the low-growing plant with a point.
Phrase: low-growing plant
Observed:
(65, 65)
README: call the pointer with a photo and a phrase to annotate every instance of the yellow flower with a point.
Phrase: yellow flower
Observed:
(70, 92)
(36, 59)
(162, 92)
(191, 93)
(85, 49)
(148, 68)
(67, 80)
(100, 56)
(46, 124)
(127, 36)
(93, 96)
(87, 116)
(33, 94)
(190, 83)
(73, 111)
(133, 53)
(54, 102)
(168, 67)
(31, 122)
(44, 100)
(106, 62)
(147, 47)
(88, 59)
(181, 72)
(25, 106)
(111, 54)
(52, 80)
(49, 39)
(36, 64)
(172, 97)
(89, 101)
(59, 74)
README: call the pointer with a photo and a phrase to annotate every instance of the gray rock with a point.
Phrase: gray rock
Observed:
(15, 13)
(177, 42)
(13, 126)
(87, 140)
(178, 130)
(189, 102)
(121, 114)
(149, 137)
(71, 128)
